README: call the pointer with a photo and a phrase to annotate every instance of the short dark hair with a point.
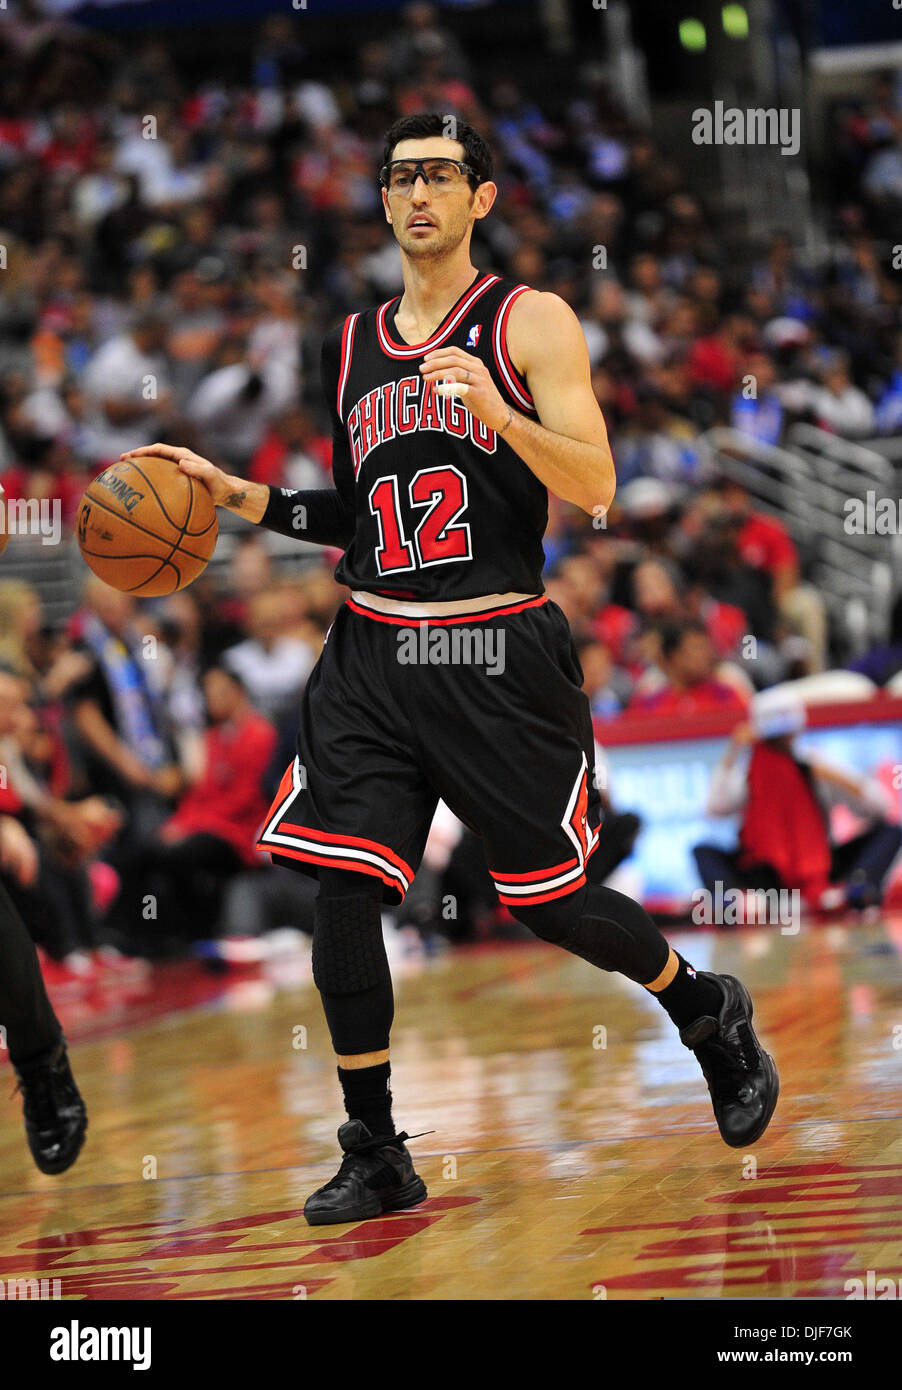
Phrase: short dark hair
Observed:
(674, 633)
(424, 124)
(224, 670)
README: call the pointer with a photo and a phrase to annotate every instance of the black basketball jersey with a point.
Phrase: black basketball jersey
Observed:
(445, 509)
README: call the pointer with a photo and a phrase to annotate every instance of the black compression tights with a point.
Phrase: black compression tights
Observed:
(601, 926)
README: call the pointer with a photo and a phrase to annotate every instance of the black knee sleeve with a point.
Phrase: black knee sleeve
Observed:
(553, 921)
(350, 970)
(348, 950)
(603, 927)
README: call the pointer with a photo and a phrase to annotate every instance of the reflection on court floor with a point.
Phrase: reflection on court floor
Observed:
(572, 1152)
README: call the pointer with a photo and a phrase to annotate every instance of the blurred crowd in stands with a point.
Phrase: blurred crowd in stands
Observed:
(174, 254)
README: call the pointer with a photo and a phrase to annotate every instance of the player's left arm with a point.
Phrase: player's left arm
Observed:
(567, 448)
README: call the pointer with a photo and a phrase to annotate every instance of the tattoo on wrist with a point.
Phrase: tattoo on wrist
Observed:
(235, 499)
(510, 416)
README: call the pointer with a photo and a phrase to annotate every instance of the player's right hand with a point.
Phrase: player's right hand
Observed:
(219, 484)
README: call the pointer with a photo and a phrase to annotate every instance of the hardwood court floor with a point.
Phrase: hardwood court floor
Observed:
(556, 1168)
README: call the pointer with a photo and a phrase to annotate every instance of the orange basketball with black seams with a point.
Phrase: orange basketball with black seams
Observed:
(145, 527)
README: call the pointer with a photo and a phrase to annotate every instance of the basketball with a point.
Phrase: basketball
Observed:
(146, 528)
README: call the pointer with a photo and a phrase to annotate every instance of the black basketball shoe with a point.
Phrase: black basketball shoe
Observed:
(741, 1076)
(55, 1114)
(376, 1175)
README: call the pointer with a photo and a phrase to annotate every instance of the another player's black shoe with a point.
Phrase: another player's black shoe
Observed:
(55, 1114)
(376, 1175)
(741, 1076)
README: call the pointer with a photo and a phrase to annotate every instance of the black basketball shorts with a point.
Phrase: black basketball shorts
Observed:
(483, 710)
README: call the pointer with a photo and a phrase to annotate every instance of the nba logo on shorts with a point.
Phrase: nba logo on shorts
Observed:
(473, 334)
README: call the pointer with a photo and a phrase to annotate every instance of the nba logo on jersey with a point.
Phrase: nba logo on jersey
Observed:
(473, 335)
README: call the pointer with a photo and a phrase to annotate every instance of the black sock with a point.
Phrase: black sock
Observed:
(689, 995)
(368, 1096)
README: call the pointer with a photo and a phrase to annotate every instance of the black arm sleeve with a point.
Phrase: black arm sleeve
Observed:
(325, 516)
(313, 514)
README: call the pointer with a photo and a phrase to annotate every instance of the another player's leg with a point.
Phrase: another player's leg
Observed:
(55, 1115)
(713, 1012)
(350, 970)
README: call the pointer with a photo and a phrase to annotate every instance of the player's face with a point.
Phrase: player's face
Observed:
(429, 220)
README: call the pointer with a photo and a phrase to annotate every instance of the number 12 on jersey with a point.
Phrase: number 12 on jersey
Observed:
(439, 538)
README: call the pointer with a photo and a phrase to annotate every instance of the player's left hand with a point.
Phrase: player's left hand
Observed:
(482, 397)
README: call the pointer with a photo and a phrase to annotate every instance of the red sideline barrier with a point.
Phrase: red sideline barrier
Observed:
(879, 708)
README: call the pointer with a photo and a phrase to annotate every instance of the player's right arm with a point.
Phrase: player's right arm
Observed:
(312, 514)
(325, 516)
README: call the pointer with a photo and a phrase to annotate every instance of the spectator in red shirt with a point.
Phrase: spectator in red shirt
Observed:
(716, 359)
(293, 453)
(73, 138)
(227, 800)
(50, 472)
(688, 661)
(765, 544)
(210, 836)
(660, 593)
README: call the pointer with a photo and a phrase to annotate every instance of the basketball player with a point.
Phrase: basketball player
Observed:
(55, 1115)
(448, 673)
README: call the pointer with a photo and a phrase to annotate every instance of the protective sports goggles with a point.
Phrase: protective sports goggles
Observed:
(441, 175)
